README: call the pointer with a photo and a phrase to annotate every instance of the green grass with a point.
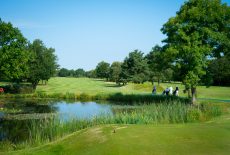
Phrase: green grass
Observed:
(204, 138)
(89, 86)
(96, 86)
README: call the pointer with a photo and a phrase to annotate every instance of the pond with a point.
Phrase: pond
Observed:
(22, 109)
(15, 115)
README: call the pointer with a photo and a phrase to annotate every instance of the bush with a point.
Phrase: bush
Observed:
(18, 89)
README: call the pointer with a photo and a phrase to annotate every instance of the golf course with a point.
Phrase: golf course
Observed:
(202, 136)
(117, 77)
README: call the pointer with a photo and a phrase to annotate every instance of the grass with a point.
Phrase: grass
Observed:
(88, 86)
(203, 138)
(96, 86)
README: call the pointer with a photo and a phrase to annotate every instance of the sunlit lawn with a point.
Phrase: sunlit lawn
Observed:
(97, 86)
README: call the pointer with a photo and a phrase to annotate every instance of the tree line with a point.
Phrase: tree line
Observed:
(23, 61)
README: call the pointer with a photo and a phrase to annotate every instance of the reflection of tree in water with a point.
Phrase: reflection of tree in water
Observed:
(12, 130)
(31, 106)
(15, 127)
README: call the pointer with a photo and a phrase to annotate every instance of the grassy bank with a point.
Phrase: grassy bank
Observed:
(50, 129)
(206, 138)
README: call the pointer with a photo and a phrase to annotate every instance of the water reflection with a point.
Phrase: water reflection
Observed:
(82, 110)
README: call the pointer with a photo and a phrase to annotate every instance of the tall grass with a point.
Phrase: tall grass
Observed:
(146, 98)
(50, 129)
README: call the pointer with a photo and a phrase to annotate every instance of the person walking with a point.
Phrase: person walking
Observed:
(170, 90)
(176, 92)
(154, 91)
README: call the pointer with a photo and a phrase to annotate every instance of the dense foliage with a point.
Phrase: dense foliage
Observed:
(22, 61)
(200, 30)
(42, 64)
(135, 68)
(14, 55)
(63, 72)
(102, 70)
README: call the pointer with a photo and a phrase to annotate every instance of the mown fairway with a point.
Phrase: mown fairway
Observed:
(96, 86)
(204, 138)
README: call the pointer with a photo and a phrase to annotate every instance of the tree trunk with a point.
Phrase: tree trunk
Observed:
(193, 95)
(158, 80)
(152, 82)
(189, 93)
(34, 85)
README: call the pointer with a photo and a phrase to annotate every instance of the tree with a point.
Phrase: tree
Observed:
(42, 64)
(91, 74)
(49, 63)
(115, 71)
(135, 68)
(80, 72)
(63, 72)
(102, 70)
(159, 66)
(219, 70)
(72, 73)
(199, 30)
(14, 55)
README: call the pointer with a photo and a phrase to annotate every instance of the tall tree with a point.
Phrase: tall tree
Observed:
(115, 71)
(135, 68)
(102, 70)
(158, 64)
(42, 64)
(199, 30)
(49, 63)
(13, 53)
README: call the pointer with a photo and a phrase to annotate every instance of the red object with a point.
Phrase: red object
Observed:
(1, 90)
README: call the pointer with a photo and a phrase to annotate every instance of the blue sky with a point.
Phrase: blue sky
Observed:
(88, 31)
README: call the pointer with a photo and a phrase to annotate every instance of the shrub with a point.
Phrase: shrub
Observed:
(18, 89)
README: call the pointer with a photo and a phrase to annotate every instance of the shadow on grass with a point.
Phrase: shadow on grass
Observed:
(99, 80)
(113, 85)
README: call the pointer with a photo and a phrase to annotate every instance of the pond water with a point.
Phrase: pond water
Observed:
(16, 114)
(22, 109)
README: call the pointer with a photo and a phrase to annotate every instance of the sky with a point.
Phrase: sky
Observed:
(85, 32)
